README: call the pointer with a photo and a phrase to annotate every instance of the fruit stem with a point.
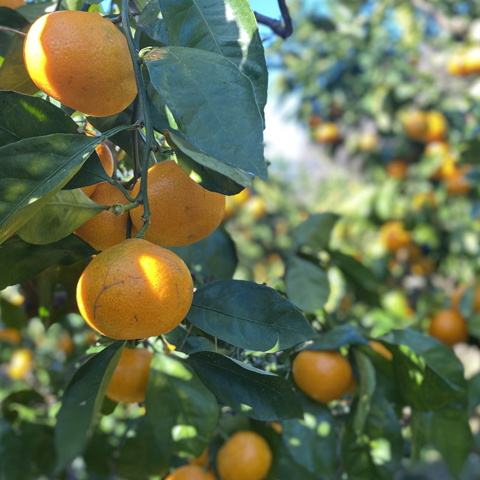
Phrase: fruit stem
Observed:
(144, 117)
(119, 209)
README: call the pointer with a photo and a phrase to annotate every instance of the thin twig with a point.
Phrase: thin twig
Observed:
(186, 336)
(282, 29)
(12, 30)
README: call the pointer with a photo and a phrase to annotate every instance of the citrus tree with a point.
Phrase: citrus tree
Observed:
(132, 346)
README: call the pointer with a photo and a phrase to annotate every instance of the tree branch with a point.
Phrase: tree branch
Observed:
(282, 29)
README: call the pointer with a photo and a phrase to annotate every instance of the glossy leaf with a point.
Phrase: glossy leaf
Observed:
(82, 402)
(366, 372)
(182, 411)
(21, 260)
(13, 19)
(65, 212)
(315, 231)
(336, 338)
(306, 284)
(24, 116)
(202, 24)
(250, 391)
(232, 135)
(152, 24)
(248, 315)
(312, 441)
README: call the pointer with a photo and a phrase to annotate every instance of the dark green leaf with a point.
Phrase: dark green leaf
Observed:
(336, 338)
(420, 424)
(312, 441)
(250, 391)
(63, 214)
(151, 24)
(13, 19)
(366, 371)
(473, 391)
(315, 231)
(227, 28)
(12, 315)
(92, 172)
(232, 135)
(21, 261)
(82, 402)
(288, 468)
(377, 453)
(306, 284)
(248, 315)
(182, 411)
(24, 116)
(32, 11)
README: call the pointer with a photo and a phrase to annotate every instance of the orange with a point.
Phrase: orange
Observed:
(130, 378)
(82, 60)
(472, 59)
(394, 236)
(135, 290)
(66, 343)
(436, 126)
(12, 3)
(460, 292)
(106, 158)
(397, 169)
(446, 170)
(10, 335)
(327, 132)
(106, 229)
(436, 149)
(449, 327)
(187, 472)
(242, 197)
(322, 375)
(277, 427)
(20, 364)
(256, 207)
(367, 141)
(381, 349)
(183, 212)
(456, 64)
(244, 456)
(209, 475)
(457, 184)
(415, 124)
(202, 459)
(424, 199)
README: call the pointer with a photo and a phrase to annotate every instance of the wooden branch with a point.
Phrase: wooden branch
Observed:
(282, 29)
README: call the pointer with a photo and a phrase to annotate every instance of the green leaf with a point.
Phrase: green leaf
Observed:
(306, 284)
(316, 230)
(92, 172)
(182, 411)
(12, 315)
(250, 391)
(213, 258)
(452, 437)
(428, 373)
(13, 19)
(21, 261)
(378, 453)
(312, 441)
(150, 23)
(196, 164)
(64, 213)
(32, 11)
(288, 468)
(82, 402)
(227, 28)
(361, 278)
(233, 135)
(24, 116)
(35, 169)
(473, 391)
(13, 74)
(248, 315)
(420, 424)
(336, 338)
(367, 386)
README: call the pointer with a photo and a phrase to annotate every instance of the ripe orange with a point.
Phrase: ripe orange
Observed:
(106, 158)
(183, 212)
(449, 327)
(20, 364)
(242, 197)
(130, 378)
(397, 169)
(472, 59)
(381, 349)
(135, 290)
(66, 343)
(327, 132)
(415, 124)
(105, 229)
(82, 60)
(394, 236)
(436, 126)
(456, 64)
(245, 456)
(447, 169)
(201, 460)
(10, 335)
(12, 3)
(367, 141)
(256, 207)
(436, 149)
(423, 199)
(322, 375)
(187, 472)
(457, 184)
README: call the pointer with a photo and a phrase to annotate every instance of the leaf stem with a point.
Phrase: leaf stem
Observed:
(143, 117)
(122, 188)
